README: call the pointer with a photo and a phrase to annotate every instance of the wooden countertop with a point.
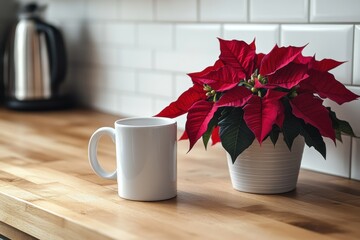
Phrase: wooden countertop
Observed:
(48, 190)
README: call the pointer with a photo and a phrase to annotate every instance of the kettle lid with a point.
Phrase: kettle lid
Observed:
(31, 10)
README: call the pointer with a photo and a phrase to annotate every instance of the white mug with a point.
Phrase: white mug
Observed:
(146, 150)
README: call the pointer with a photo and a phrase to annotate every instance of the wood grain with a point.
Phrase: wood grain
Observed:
(13, 233)
(48, 190)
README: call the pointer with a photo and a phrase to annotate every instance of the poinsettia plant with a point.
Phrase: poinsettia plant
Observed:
(247, 95)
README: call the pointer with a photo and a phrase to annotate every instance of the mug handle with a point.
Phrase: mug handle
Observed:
(92, 152)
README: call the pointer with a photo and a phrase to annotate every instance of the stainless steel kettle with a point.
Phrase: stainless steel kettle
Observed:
(34, 63)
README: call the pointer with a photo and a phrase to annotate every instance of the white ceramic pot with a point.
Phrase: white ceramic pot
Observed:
(267, 169)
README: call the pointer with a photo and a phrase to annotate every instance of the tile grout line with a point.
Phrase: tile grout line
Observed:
(280, 34)
(248, 11)
(154, 11)
(350, 162)
(173, 90)
(352, 84)
(222, 30)
(353, 55)
(198, 5)
(308, 11)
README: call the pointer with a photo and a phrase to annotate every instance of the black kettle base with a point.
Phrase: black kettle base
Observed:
(57, 103)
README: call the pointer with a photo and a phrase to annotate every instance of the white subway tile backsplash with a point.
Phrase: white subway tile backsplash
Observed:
(224, 11)
(138, 10)
(181, 122)
(120, 79)
(174, 10)
(160, 84)
(94, 33)
(69, 84)
(82, 87)
(120, 33)
(131, 57)
(355, 161)
(183, 61)
(326, 41)
(72, 32)
(135, 58)
(66, 10)
(134, 105)
(334, 11)
(337, 158)
(197, 37)
(72, 53)
(101, 56)
(103, 100)
(356, 67)
(101, 10)
(90, 82)
(161, 104)
(266, 35)
(182, 83)
(91, 77)
(349, 112)
(278, 11)
(155, 36)
(73, 37)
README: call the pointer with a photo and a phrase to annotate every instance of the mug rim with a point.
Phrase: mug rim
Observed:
(161, 122)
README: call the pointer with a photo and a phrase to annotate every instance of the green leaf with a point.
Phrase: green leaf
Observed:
(291, 126)
(274, 134)
(235, 134)
(225, 112)
(206, 136)
(313, 138)
(340, 125)
(346, 128)
(338, 134)
(212, 124)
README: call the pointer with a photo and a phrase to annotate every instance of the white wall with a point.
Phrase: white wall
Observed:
(129, 57)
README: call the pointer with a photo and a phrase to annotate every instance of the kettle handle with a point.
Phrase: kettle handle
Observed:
(57, 54)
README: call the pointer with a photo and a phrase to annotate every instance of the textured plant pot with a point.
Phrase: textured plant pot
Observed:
(267, 169)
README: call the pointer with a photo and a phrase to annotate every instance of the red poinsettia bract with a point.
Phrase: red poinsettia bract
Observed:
(247, 95)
